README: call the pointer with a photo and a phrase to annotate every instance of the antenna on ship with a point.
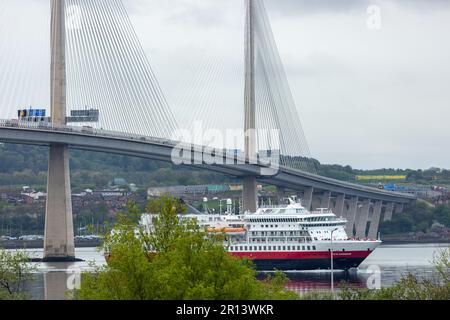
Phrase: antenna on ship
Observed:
(205, 205)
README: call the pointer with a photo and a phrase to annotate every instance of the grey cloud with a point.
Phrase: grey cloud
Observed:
(303, 7)
(299, 7)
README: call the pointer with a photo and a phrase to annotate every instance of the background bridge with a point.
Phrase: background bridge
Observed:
(96, 60)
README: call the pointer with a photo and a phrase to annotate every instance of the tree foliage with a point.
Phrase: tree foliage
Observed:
(419, 217)
(188, 264)
(15, 271)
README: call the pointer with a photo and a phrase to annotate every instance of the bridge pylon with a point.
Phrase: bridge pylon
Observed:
(59, 237)
(249, 192)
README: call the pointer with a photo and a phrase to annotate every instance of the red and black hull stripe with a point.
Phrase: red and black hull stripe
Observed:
(304, 260)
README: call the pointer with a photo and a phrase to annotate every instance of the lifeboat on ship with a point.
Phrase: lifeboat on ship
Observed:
(227, 230)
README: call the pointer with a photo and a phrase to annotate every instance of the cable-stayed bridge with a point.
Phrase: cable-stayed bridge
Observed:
(97, 60)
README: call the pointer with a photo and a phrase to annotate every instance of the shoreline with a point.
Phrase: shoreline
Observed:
(39, 244)
(414, 241)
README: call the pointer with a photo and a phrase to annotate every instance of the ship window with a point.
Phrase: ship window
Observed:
(267, 225)
(309, 248)
(264, 248)
(259, 248)
(298, 247)
(231, 248)
(245, 248)
(269, 248)
(303, 248)
(240, 248)
(314, 247)
(284, 247)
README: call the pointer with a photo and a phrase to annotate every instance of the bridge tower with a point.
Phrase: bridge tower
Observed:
(59, 238)
(249, 193)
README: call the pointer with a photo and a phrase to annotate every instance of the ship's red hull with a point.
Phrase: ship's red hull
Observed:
(304, 260)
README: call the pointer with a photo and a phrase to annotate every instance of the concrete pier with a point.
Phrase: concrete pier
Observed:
(325, 199)
(339, 205)
(281, 194)
(249, 193)
(375, 221)
(362, 219)
(307, 198)
(351, 215)
(389, 211)
(59, 238)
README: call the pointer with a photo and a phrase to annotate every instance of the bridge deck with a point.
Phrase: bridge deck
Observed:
(161, 149)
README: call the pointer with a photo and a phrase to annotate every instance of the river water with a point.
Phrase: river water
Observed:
(383, 267)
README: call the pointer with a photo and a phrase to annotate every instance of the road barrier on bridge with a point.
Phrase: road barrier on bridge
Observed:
(287, 177)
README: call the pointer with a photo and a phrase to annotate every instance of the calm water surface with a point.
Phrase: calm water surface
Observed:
(393, 261)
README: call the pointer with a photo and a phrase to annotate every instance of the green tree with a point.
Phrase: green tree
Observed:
(442, 215)
(167, 229)
(15, 271)
(418, 217)
(189, 264)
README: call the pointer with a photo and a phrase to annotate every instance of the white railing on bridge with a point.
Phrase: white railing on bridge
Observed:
(111, 134)
(83, 130)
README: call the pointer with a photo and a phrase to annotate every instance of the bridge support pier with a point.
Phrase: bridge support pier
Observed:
(339, 205)
(249, 194)
(325, 200)
(316, 202)
(307, 198)
(389, 211)
(59, 240)
(281, 194)
(362, 218)
(351, 214)
(375, 221)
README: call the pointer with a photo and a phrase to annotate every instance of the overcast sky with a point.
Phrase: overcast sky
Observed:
(368, 98)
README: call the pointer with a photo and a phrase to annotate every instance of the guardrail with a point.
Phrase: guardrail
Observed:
(83, 130)
(47, 126)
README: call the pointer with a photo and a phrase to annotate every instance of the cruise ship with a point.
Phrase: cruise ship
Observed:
(286, 237)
